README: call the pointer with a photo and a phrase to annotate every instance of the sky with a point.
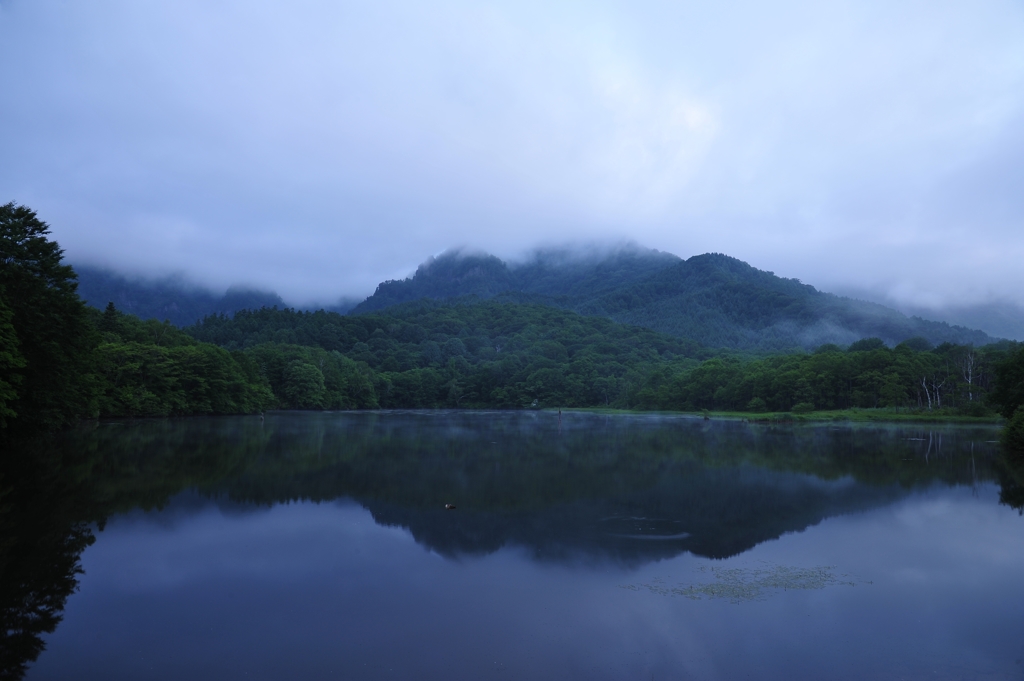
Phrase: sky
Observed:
(316, 148)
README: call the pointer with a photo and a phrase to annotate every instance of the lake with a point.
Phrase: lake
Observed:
(586, 546)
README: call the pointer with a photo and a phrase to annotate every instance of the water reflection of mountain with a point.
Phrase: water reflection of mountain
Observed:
(526, 478)
(630, 489)
(709, 512)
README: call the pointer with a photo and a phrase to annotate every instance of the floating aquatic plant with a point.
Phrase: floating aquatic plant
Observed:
(739, 584)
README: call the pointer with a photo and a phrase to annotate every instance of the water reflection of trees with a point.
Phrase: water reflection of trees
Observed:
(1010, 471)
(631, 490)
(56, 491)
(42, 535)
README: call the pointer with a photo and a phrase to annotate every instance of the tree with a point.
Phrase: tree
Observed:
(866, 345)
(304, 386)
(10, 361)
(1009, 389)
(54, 386)
(110, 323)
(1013, 432)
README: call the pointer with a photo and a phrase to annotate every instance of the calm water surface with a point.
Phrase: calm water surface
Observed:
(317, 546)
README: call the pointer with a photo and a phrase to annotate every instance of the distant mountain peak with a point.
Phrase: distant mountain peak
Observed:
(712, 298)
(172, 298)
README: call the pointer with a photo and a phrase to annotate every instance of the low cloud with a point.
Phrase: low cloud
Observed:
(318, 148)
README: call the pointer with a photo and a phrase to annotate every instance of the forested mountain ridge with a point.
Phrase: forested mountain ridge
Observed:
(720, 301)
(713, 299)
(61, 360)
(547, 274)
(170, 298)
(463, 353)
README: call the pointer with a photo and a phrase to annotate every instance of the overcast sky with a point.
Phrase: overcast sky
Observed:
(318, 147)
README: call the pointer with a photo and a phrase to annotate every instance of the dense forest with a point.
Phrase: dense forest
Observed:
(61, 360)
(712, 299)
(490, 353)
(457, 354)
(171, 298)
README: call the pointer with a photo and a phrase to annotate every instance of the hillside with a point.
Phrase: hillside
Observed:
(546, 275)
(712, 299)
(170, 299)
(463, 353)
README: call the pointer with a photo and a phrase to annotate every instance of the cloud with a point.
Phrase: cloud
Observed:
(320, 147)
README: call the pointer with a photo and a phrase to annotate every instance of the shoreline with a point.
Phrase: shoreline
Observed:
(832, 416)
(838, 415)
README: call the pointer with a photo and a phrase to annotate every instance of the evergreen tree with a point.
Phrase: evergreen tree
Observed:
(53, 385)
(109, 322)
(10, 362)
(1009, 390)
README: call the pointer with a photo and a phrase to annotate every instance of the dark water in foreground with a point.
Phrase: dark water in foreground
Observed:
(317, 546)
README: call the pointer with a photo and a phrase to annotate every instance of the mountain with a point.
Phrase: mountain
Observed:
(171, 298)
(713, 299)
(547, 274)
(1000, 319)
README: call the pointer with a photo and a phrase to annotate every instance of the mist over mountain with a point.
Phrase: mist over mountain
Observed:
(713, 299)
(558, 274)
(1000, 319)
(171, 298)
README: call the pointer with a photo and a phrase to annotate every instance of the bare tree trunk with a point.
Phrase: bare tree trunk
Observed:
(937, 389)
(967, 368)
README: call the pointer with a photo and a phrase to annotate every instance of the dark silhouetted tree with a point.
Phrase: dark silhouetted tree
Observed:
(50, 322)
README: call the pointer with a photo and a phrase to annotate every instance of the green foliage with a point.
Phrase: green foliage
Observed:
(51, 383)
(1009, 390)
(950, 379)
(150, 380)
(500, 354)
(61, 361)
(460, 354)
(712, 299)
(304, 385)
(917, 344)
(867, 345)
(10, 362)
(312, 378)
(150, 368)
(1013, 433)
(116, 326)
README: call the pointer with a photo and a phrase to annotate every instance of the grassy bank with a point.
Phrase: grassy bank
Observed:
(853, 415)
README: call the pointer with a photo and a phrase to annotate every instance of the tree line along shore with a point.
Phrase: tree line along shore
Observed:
(62, 360)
